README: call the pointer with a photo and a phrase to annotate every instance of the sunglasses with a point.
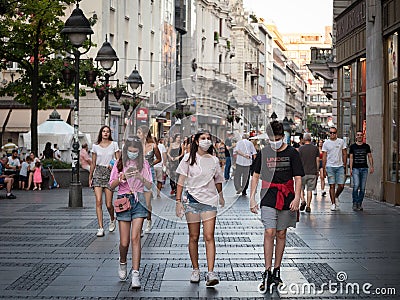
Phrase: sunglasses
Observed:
(332, 132)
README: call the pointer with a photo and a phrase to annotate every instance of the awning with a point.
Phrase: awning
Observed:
(20, 119)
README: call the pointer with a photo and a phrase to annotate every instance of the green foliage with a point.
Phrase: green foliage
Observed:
(55, 164)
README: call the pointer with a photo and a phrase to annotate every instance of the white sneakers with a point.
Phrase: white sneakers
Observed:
(211, 279)
(135, 279)
(195, 277)
(100, 232)
(148, 226)
(111, 227)
(122, 271)
(333, 206)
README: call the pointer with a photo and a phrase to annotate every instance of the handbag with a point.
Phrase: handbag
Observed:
(122, 204)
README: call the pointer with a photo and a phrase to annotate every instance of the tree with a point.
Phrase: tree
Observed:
(30, 36)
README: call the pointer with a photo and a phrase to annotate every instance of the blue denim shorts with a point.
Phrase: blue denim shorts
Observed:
(195, 207)
(335, 175)
(138, 209)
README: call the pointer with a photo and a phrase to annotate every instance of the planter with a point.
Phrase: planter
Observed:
(100, 93)
(64, 177)
(91, 76)
(125, 105)
(68, 76)
(118, 93)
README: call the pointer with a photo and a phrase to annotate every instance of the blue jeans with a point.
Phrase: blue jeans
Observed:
(227, 170)
(359, 183)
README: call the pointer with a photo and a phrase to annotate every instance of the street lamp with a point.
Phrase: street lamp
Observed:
(256, 110)
(76, 28)
(135, 82)
(107, 56)
(232, 105)
(274, 116)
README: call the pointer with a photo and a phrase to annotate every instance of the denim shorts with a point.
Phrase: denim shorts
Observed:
(335, 175)
(138, 209)
(195, 207)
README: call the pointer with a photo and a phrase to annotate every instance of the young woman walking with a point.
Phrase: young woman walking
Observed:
(131, 174)
(151, 151)
(174, 154)
(200, 172)
(104, 153)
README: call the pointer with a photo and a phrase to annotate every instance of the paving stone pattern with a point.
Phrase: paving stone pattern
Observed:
(48, 251)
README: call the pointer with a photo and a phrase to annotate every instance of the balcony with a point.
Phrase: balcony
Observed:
(321, 55)
(248, 67)
(254, 72)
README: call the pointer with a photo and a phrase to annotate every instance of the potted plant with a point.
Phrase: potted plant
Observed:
(118, 90)
(135, 103)
(188, 113)
(177, 114)
(101, 89)
(126, 103)
(68, 72)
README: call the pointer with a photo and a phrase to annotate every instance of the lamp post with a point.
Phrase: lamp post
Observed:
(273, 116)
(107, 56)
(256, 110)
(232, 105)
(76, 28)
(135, 82)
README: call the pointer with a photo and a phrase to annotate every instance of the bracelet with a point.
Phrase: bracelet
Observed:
(178, 200)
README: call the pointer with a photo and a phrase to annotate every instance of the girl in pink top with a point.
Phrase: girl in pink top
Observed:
(37, 176)
(131, 174)
(200, 172)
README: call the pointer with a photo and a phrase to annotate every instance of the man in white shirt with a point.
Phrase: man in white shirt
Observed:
(57, 153)
(158, 168)
(334, 158)
(245, 151)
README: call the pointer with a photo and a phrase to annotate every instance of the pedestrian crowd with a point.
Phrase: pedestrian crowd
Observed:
(197, 166)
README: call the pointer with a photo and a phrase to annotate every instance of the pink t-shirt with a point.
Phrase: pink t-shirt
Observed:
(131, 185)
(202, 177)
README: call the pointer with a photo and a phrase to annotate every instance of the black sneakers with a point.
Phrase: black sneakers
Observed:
(11, 196)
(302, 206)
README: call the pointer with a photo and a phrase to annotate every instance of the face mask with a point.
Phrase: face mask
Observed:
(132, 155)
(276, 145)
(204, 144)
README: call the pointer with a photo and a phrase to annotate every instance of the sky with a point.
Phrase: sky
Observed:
(293, 16)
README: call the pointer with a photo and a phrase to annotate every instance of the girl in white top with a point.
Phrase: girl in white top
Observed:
(201, 174)
(104, 153)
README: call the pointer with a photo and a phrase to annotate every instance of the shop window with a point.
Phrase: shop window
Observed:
(346, 81)
(392, 131)
(393, 58)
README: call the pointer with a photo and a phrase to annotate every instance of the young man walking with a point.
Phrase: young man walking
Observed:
(245, 152)
(309, 155)
(359, 152)
(276, 165)
(334, 158)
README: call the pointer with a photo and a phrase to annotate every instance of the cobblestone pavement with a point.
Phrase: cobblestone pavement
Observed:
(49, 251)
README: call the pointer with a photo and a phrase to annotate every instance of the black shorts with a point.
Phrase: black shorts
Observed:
(23, 178)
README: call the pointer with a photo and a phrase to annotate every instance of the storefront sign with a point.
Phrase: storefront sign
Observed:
(350, 20)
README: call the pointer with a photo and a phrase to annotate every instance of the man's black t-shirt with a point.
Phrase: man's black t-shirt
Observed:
(277, 167)
(228, 142)
(360, 153)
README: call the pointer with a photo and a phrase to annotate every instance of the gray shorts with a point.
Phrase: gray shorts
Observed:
(309, 181)
(278, 219)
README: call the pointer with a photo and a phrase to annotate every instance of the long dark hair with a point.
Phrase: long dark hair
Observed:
(99, 137)
(194, 147)
(146, 133)
(134, 142)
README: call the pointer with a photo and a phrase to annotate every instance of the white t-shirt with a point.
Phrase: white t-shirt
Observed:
(24, 169)
(202, 177)
(105, 155)
(334, 149)
(162, 149)
(14, 162)
(246, 147)
(57, 154)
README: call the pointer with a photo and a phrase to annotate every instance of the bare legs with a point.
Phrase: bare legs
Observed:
(98, 191)
(269, 236)
(130, 231)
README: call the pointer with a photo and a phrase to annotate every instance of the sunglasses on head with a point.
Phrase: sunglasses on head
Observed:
(133, 139)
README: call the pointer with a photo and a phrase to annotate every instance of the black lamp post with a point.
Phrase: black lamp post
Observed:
(232, 105)
(76, 28)
(107, 56)
(274, 116)
(256, 110)
(135, 82)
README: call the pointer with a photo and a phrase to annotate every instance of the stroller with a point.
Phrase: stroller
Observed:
(55, 183)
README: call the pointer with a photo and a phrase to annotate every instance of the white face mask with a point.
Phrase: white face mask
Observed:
(204, 144)
(276, 145)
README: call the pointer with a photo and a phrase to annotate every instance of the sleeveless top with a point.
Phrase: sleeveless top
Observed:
(149, 156)
(175, 152)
